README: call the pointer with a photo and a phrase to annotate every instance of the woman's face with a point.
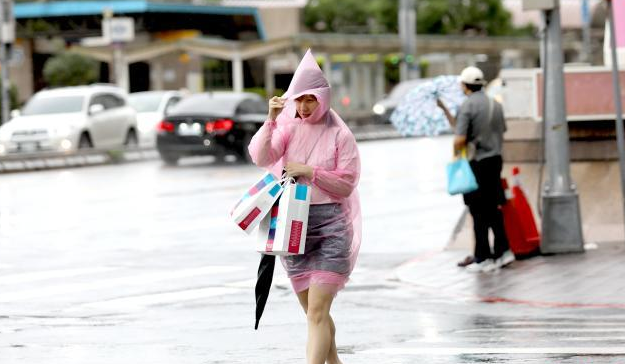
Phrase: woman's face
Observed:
(306, 105)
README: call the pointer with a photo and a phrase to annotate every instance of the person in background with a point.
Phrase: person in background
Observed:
(479, 128)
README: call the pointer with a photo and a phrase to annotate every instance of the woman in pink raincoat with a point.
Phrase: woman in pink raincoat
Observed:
(308, 140)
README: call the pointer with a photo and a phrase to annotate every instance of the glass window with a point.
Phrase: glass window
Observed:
(109, 101)
(98, 99)
(53, 105)
(252, 107)
(203, 104)
(171, 103)
(117, 101)
(246, 107)
(260, 107)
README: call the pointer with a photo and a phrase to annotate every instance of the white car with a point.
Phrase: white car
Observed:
(152, 107)
(71, 118)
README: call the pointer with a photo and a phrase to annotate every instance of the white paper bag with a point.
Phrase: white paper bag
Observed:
(283, 230)
(256, 202)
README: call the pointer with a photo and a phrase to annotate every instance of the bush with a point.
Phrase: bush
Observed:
(70, 69)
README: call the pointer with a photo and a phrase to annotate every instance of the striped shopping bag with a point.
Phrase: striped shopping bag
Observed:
(256, 203)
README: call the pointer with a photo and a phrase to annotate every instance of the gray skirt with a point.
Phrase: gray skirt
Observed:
(328, 242)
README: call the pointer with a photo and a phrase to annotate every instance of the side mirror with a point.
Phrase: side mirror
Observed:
(96, 108)
(15, 113)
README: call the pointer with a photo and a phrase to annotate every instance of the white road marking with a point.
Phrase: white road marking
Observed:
(141, 279)
(550, 330)
(561, 323)
(593, 338)
(511, 350)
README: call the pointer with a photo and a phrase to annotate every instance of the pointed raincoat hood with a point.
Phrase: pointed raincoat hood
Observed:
(308, 80)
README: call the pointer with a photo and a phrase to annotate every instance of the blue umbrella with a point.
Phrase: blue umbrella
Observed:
(417, 113)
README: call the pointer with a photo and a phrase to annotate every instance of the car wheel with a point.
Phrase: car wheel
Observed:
(170, 159)
(85, 141)
(131, 139)
(242, 148)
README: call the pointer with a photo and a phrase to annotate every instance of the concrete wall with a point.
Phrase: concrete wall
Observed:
(280, 22)
(21, 69)
(176, 71)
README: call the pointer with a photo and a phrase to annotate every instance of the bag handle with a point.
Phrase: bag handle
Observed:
(491, 110)
(461, 155)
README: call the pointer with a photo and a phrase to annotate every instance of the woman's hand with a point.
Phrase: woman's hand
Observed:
(297, 169)
(276, 104)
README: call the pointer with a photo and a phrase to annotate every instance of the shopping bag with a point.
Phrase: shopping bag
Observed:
(255, 203)
(283, 230)
(460, 177)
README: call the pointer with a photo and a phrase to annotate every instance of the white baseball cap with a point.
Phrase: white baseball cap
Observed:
(472, 76)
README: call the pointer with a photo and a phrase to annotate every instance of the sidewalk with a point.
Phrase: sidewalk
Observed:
(593, 279)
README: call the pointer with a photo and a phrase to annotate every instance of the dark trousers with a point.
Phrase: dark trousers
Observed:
(484, 206)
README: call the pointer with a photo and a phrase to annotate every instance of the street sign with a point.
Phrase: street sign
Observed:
(538, 4)
(7, 30)
(118, 30)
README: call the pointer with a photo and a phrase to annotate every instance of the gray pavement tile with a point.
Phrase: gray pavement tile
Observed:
(589, 280)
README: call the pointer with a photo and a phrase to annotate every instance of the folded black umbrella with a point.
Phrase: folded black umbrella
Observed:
(263, 284)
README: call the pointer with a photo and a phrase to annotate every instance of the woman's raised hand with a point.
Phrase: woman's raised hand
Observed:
(276, 104)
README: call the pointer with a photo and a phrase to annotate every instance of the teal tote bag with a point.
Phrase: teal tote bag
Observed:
(460, 177)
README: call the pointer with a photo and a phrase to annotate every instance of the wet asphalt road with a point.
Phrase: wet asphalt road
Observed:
(138, 263)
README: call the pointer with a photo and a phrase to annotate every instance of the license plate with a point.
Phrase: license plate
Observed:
(194, 129)
(28, 147)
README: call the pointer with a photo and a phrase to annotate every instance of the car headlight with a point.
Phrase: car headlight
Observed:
(379, 109)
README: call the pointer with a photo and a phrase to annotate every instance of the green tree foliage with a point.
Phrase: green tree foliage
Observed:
(351, 16)
(70, 69)
(484, 17)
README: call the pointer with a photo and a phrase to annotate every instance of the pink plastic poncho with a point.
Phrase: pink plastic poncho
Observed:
(324, 142)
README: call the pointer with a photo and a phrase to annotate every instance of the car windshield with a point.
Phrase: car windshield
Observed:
(204, 104)
(145, 102)
(53, 105)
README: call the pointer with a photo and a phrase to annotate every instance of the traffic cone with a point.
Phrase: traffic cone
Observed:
(511, 222)
(527, 223)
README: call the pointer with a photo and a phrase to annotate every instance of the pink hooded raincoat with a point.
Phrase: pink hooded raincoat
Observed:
(324, 142)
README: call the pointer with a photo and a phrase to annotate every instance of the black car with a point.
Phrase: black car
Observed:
(212, 123)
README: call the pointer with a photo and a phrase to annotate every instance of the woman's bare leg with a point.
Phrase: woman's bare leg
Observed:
(320, 327)
(303, 300)
(333, 356)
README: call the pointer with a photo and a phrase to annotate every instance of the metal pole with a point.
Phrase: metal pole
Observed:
(4, 67)
(407, 21)
(617, 103)
(561, 222)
